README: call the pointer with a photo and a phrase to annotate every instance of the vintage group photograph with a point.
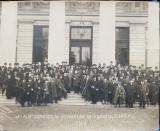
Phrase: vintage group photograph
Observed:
(79, 65)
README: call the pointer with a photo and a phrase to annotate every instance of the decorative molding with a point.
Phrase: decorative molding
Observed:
(39, 7)
(83, 6)
(137, 8)
(42, 4)
(76, 33)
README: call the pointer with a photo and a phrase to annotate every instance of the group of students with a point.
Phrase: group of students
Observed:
(38, 84)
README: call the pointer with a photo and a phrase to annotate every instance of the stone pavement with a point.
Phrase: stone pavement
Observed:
(5, 101)
(76, 117)
(58, 117)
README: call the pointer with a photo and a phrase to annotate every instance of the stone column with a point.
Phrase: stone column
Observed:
(8, 32)
(25, 42)
(153, 35)
(56, 32)
(107, 32)
(67, 44)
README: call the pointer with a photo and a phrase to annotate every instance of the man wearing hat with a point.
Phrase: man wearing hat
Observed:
(100, 90)
(66, 81)
(119, 95)
(39, 92)
(156, 72)
(93, 90)
(15, 68)
(30, 90)
(5, 67)
(82, 82)
(87, 90)
(10, 67)
(105, 86)
(60, 86)
(76, 82)
(158, 85)
(9, 86)
(53, 89)
(143, 92)
(46, 92)
(2, 79)
(153, 92)
(111, 64)
(111, 90)
(130, 89)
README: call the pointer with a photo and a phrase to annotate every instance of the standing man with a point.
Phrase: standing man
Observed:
(54, 90)
(94, 90)
(9, 84)
(2, 79)
(66, 81)
(100, 91)
(60, 85)
(76, 82)
(130, 91)
(87, 90)
(105, 90)
(153, 90)
(143, 93)
(111, 90)
(119, 95)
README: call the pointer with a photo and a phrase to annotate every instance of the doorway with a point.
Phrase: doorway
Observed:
(122, 46)
(40, 43)
(81, 45)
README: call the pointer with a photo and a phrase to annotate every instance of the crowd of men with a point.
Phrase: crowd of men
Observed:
(38, 84)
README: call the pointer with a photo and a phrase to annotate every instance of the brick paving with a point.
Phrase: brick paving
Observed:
(58, 117)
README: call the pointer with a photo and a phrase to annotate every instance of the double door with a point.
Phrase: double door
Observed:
(81, 45)
(81, 55)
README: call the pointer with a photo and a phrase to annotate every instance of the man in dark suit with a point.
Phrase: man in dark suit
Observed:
(99, 89)
(143, 93)
(130, 90)
(105, 85)
(9, 86)
(94, 90)
(153, 90)
(111, 90)
(76, 82)
(2, 79)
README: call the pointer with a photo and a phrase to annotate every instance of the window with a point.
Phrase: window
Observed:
(122, 34)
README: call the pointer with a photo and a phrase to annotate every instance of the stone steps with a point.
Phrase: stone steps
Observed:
(72, 104)
(73, 99)
(5, 101)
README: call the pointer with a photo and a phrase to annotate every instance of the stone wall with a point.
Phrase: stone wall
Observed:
(137, 44)
(8, 32)
(26, 21)
(25, 43)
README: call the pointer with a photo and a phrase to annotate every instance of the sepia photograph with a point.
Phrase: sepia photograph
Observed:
(79, 65)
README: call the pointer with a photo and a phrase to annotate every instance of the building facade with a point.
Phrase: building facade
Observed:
(80, 32)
